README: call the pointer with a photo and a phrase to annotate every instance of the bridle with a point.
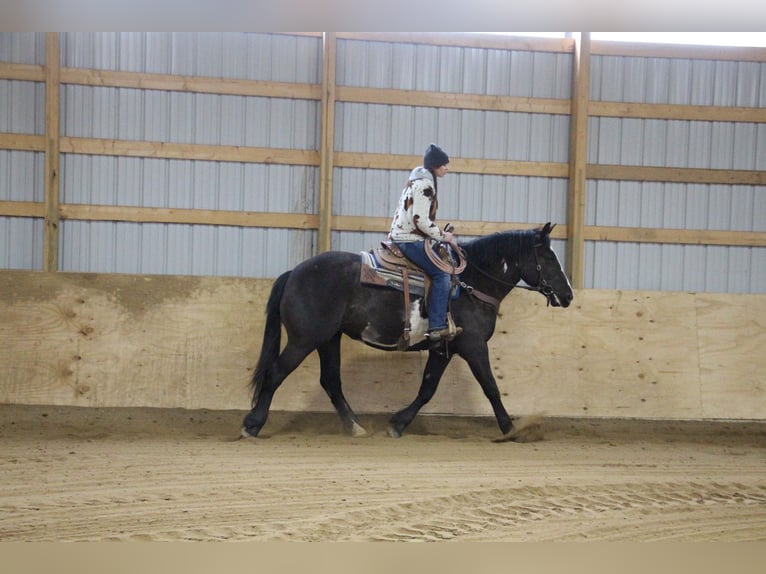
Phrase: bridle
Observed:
(542, 286)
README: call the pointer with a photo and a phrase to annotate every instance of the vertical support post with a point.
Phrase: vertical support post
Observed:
(52, 158)
(324, 240)
(578, 152)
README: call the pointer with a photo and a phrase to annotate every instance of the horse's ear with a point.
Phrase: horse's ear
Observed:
(547, 228)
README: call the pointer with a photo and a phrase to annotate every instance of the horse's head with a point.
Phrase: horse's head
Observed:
(542, 270)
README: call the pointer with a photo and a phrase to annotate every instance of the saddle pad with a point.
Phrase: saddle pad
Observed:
(373, 274)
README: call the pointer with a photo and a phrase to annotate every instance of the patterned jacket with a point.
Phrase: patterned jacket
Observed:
(415, 216)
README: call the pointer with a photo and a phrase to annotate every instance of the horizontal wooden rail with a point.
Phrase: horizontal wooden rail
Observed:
(22, 208)
(462, 228)
(369, 224)
(193, 84)
(683, 51)
(189, 216)
(466, 40)
(22, 142)
(453, 100)
(167, 150)
(677, 112)
(244, 154)
(22, 72)
(676, 174)
(457, 165)
(675, 236)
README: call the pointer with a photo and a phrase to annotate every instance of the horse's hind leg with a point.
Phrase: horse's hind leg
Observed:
(329, 359)
(287, 362)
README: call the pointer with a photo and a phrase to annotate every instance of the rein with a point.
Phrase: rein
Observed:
(448, 267)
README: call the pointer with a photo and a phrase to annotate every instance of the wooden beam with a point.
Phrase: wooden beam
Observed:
(466, 40)
(677, 112)
(188, 216)
(165, 150)
(453, 100)
(52, 158)
(22, 72)
(22, 142)
(681, 51)
(192, 84)
(676, 174)
(371, 224)
(457, 165)
(578, 151)
(463, 228)
(676, 236)
(327, 162)
(22, 209)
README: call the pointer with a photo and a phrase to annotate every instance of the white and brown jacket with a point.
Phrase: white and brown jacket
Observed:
(415, 215)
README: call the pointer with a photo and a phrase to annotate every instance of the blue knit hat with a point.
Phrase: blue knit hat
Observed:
(434, 157)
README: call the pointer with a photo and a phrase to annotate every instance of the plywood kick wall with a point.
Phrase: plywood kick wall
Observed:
(192, 342)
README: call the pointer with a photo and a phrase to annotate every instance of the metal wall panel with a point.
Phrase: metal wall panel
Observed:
(130, 114)
(22, 107)
(249, 56)
(22, 111)
(453, 69)
(22, 47)
(683, 144)
(120, 113)
(156, 248)
(375, 128)
(21, 238)
(185, 249)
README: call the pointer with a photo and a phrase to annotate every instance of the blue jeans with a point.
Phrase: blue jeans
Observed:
(440, 283)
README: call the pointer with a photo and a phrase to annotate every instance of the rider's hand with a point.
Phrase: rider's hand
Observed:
(448, 237)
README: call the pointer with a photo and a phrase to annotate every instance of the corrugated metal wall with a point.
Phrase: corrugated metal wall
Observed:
(22, 111)
(683, 144)
(376, 128)
(130, 114)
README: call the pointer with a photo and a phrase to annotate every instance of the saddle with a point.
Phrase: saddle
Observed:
(386, 266)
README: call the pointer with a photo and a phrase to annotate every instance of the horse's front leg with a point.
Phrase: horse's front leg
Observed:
(432, 374)
(477, 358)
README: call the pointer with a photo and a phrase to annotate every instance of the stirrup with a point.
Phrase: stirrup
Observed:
(444, 334)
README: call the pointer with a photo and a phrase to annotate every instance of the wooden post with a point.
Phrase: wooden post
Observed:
(52, 133)
(324, 239)
(578, 152)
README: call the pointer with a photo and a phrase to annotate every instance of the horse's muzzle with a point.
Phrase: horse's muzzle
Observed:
(556, 300)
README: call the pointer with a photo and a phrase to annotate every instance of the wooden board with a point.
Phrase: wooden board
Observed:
(732, 341)
(122, 340)
(168, 341)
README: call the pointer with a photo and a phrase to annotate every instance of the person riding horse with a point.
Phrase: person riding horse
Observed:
(413, 223)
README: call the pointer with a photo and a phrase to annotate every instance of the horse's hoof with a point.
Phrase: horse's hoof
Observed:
(393, 433)
(245, 434)
(358, 431)
(525, 429)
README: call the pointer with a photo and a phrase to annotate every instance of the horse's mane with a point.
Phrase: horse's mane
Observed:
(510, 245)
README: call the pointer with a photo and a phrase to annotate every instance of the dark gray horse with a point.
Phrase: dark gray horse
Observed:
(322, 298)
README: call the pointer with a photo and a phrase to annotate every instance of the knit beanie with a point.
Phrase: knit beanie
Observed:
(434, 157)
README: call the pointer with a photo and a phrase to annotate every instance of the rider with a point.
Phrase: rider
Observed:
(414, 221)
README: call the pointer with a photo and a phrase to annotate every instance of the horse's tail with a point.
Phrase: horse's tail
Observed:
(272, 335)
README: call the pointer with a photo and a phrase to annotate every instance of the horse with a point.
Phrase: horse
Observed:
(322, 298)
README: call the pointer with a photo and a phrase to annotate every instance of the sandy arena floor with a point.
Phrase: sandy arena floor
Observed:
(69, 474)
